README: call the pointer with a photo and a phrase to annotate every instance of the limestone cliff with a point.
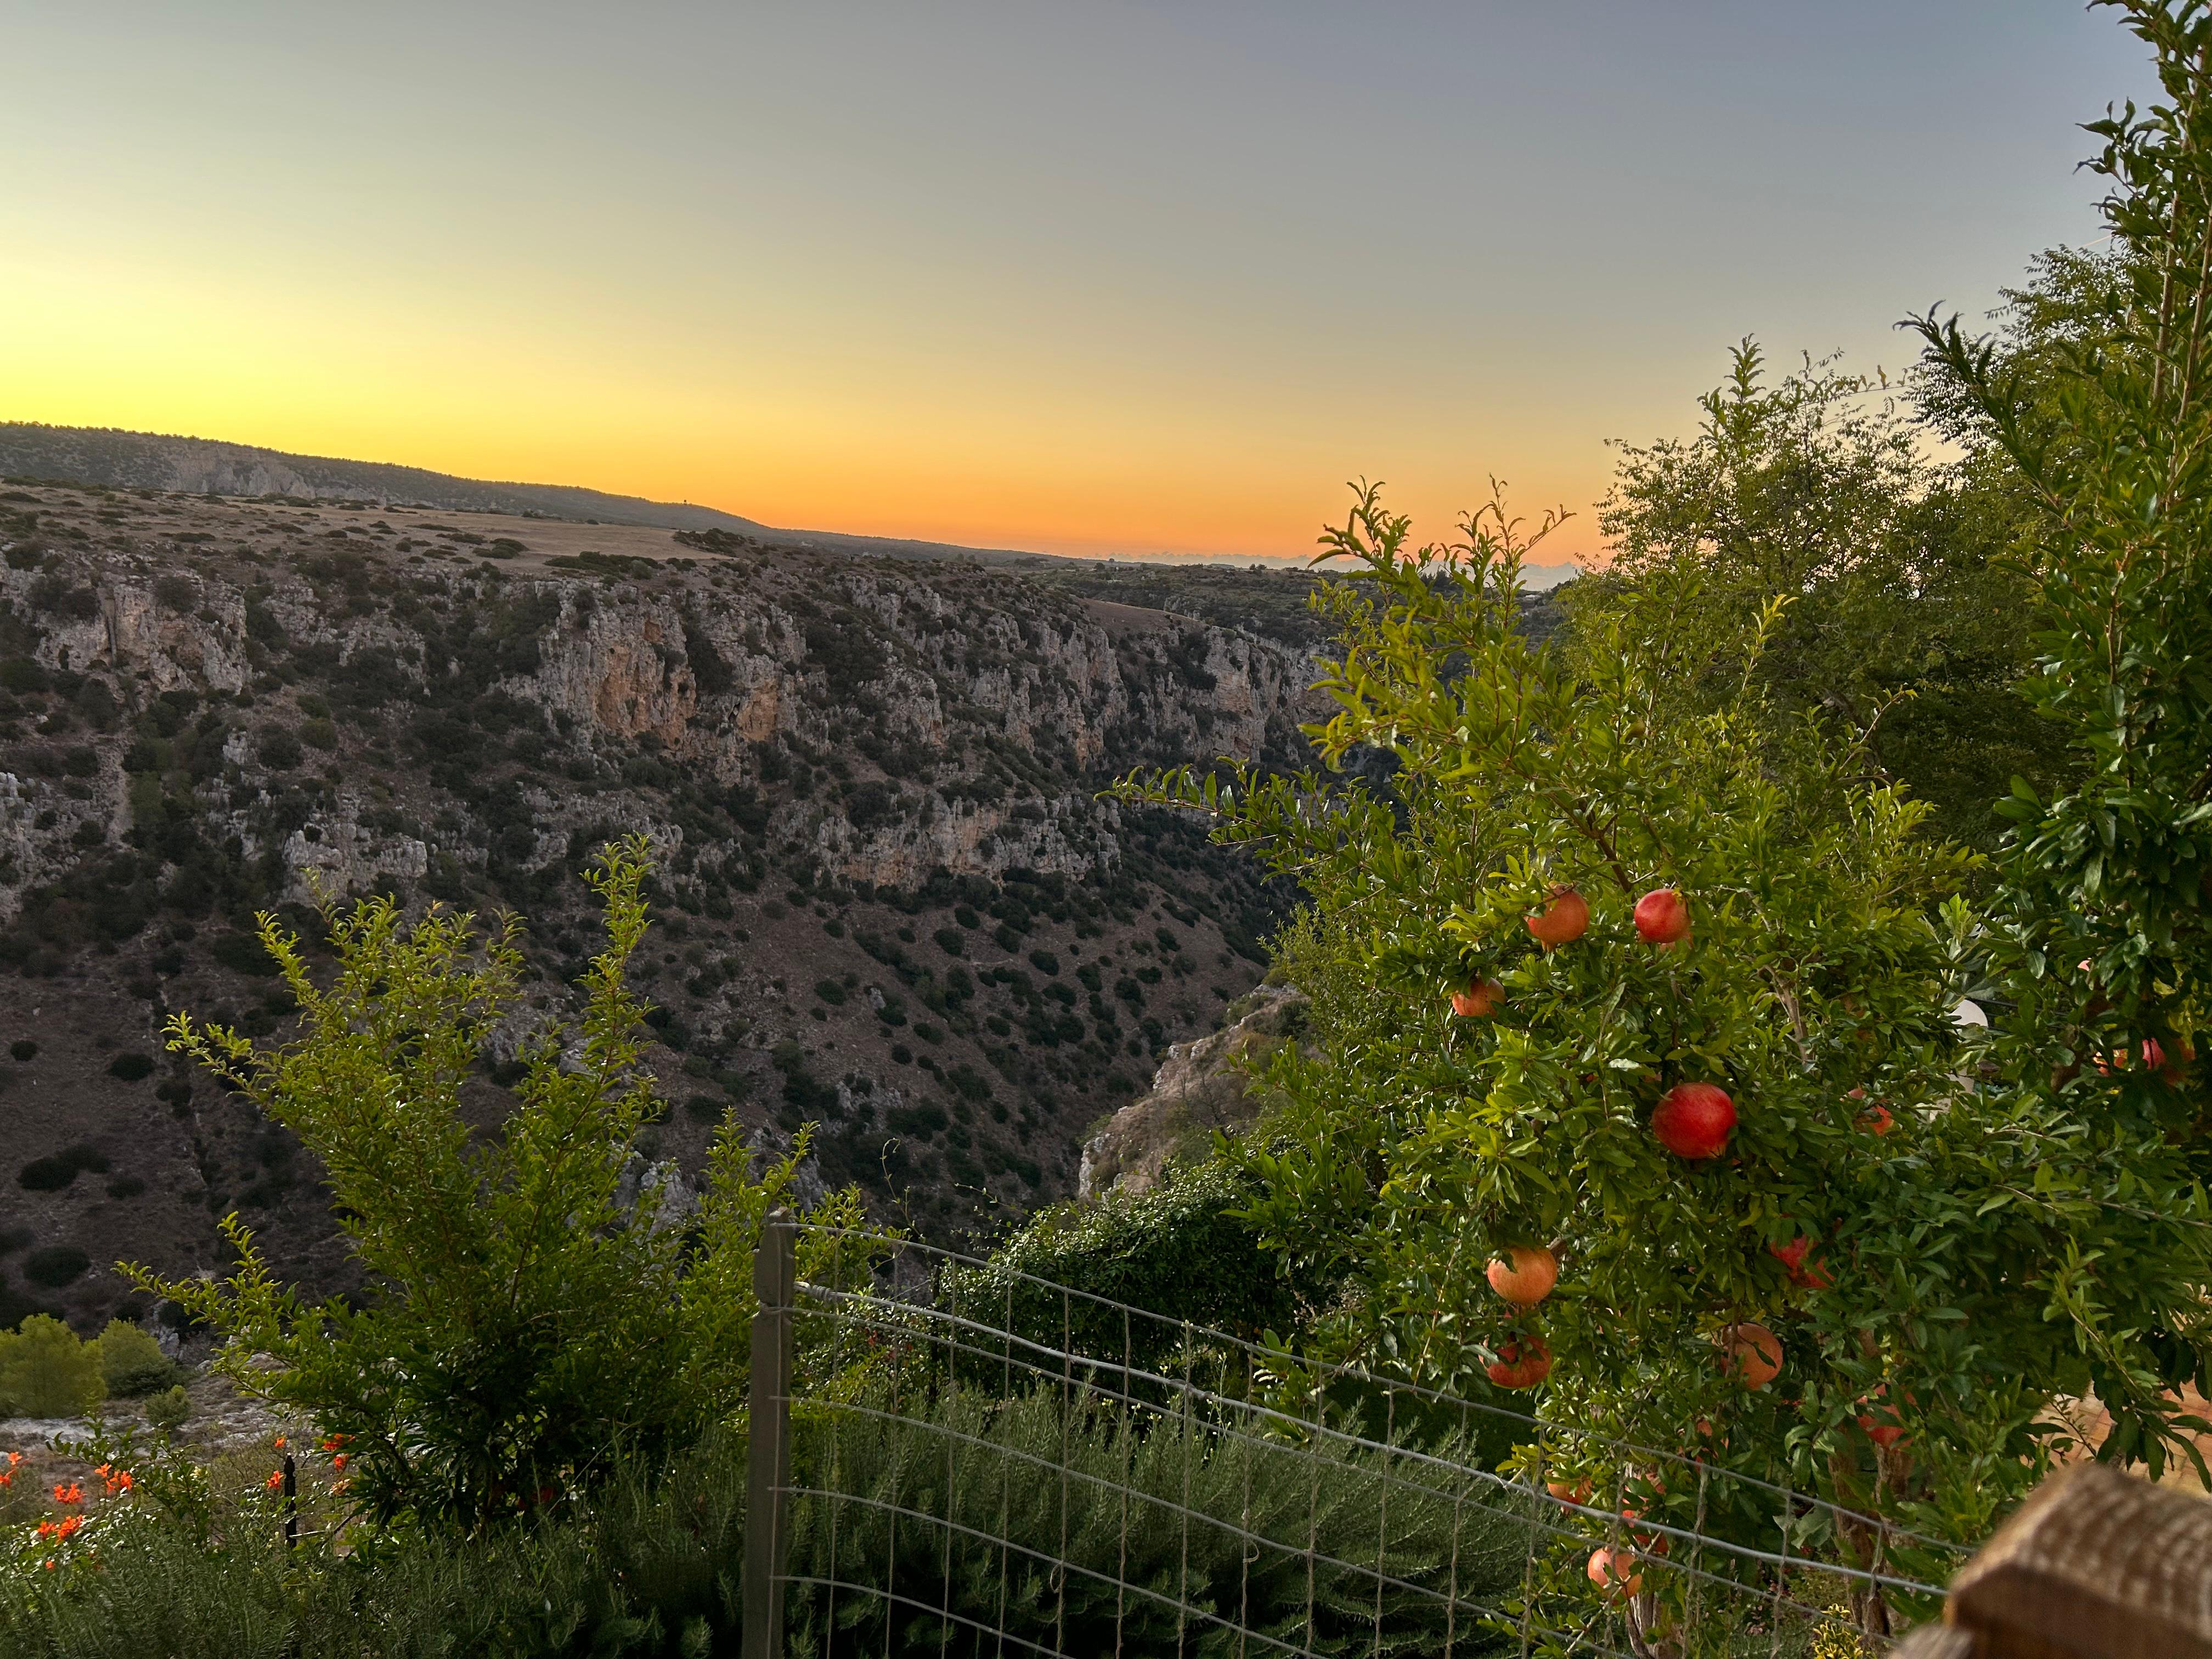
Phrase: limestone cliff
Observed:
(891, 901)
(1202, 1088)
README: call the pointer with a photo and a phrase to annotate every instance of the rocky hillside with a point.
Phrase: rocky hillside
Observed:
(890, 900)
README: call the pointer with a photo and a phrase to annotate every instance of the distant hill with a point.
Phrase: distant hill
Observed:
(109, 458)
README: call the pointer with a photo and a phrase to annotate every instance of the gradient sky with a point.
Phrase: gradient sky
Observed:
(1089, 277)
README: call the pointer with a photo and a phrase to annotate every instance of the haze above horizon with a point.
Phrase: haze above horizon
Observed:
(1096, 279)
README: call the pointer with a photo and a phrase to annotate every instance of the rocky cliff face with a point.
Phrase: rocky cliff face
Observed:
(1204, 1087)
(891, 901)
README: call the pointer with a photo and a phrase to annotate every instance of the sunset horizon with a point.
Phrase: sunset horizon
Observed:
(1088, 310)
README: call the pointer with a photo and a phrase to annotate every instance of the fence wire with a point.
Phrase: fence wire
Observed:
(982, 1463)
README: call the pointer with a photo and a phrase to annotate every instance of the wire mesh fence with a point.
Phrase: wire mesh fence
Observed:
(977, 1462)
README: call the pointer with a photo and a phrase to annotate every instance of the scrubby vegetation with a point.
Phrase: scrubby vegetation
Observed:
(1718, 1045)
(46, 1370)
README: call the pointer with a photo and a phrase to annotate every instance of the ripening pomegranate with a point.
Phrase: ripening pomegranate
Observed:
(1570, 1491)
(1881, 1422)
(1522, 1362)
(2171, 1070)
(1479, 1001)
(1661, 917)
(1526, 1276)
(1563, 918)
(1694, 1119)
(1614, 1572)
(1754, 1354)
(1876, 1121)
(1651, 1543)
(1792, 1257)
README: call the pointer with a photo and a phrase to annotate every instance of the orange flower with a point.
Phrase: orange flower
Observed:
(45, 1529)
(14, 1458)
(279, 1443)
(72, 1493)
(275, 1480)
(7, 1480)
(339, 1462)
(68, 1528)
(116, 1481)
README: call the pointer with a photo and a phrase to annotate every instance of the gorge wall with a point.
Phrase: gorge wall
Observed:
(889, 899)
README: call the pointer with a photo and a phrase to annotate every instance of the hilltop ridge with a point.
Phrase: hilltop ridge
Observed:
(111, 459)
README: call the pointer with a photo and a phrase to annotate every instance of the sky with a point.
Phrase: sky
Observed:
(1088, 278)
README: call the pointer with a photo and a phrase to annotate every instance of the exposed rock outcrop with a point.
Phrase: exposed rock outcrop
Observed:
(889, 899)
(1202, 1087)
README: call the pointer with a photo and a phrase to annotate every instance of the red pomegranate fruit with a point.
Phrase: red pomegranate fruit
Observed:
(1661, 917)
(1563, 918)
(1792, 1257)
(1754, 1354)
(1522, 1362)
(1614, 1572)
(1526, 1276)
(1694, 1119)
(1479, 1001)
(1880, 1421)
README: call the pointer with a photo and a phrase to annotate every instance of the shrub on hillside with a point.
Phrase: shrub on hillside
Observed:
(46, 1371)
(170, 1410)
(278, 748)
(131, 1362)
(56, 1266)
(56, 1171)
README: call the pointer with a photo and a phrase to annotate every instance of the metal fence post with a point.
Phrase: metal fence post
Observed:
(768, 1450)
(291, 1503)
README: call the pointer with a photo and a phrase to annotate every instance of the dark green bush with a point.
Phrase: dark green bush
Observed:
(57, 1170)
(1177, 1249)
(21, 676)
(242, 953)
(55, 1266)
(131, 1362)
(278, 748)
(170, 1410)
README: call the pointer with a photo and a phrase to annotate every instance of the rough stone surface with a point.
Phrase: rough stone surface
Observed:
(1201, 1087)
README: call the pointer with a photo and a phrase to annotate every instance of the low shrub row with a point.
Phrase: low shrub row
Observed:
(650, 1563)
